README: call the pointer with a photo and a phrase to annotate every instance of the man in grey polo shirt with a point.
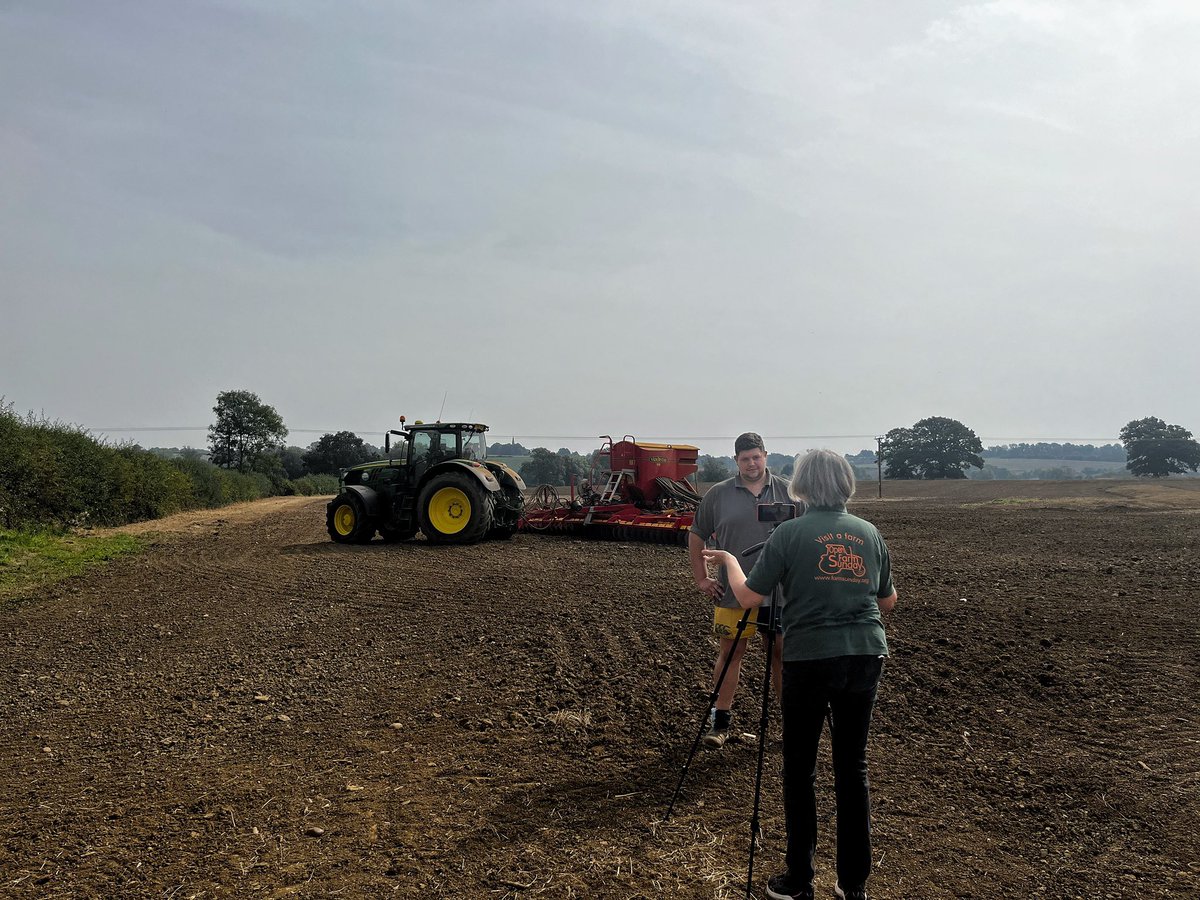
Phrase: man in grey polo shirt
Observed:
(728, 520)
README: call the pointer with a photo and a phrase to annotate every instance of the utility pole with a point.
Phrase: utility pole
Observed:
(879, 462)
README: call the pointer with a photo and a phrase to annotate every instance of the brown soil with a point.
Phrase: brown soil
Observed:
(249, 710)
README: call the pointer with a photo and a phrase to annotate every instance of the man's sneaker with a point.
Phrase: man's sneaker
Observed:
(715, 737)
(784, 887)
(846, 894)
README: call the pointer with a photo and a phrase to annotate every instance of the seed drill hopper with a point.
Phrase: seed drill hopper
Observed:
(636, 491)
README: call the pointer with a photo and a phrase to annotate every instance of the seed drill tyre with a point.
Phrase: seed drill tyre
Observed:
(454, 508)
(347, 521)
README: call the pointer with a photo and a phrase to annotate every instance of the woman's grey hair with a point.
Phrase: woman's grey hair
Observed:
(822, 478)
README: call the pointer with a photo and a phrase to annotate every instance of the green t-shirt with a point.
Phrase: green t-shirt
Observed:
(832, 567)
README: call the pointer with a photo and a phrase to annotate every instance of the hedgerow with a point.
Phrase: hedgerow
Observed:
(308, 485)
(54, 474)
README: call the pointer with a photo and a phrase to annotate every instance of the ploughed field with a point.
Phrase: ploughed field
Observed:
(249, 710)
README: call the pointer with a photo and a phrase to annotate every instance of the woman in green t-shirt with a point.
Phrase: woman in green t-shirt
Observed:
(836, 576)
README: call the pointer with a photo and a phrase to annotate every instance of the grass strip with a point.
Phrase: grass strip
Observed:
(33, 559)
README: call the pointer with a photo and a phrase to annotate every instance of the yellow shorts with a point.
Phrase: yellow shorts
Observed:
(725, 622)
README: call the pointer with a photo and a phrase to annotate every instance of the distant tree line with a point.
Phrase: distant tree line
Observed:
(1043, 450)
(510, 449)
(52, 472)
(548, 467)
(939, 447)
(248, 435)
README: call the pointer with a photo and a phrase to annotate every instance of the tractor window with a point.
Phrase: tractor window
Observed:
(445, 446)
(473, 446)
(399, 452)
(432, 447)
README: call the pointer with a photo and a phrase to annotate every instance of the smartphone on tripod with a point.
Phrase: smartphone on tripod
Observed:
(777, 512)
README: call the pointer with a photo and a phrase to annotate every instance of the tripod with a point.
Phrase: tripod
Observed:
(771, 623)
(712, 699)
(772, 636)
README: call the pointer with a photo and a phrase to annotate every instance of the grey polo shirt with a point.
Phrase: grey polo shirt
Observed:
(728, 520)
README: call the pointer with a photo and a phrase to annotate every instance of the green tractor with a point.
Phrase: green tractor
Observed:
(437, 479)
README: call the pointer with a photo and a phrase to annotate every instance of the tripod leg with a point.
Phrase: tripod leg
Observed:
(762, 746)
(712, 698)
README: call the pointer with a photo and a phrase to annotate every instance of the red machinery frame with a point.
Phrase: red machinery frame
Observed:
(644, 495)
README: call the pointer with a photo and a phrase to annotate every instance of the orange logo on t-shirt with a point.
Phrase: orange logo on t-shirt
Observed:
(838, 559)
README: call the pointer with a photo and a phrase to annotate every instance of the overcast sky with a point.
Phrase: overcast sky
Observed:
(675, 219)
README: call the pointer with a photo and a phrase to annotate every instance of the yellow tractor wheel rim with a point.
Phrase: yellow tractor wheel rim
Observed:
(344, 519)
(449, 510)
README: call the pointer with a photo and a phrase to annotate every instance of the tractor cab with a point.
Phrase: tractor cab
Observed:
(422, 446)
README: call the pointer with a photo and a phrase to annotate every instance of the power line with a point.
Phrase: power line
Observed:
(661, 437)
(205, 428)
(514, 437)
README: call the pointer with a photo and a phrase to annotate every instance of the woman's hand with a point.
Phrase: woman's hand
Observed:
(718, 557)
(737, 579)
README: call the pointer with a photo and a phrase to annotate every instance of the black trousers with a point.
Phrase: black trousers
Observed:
(845, 687)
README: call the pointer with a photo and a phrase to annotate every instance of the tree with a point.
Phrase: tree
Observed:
(336, 451)
(1156, 449)
(245, 429)
(712, 469)
(576, 465)
(544, 467)
(777, 462)
(271, 464)
(936, 447)
(865, 458)
(292, 459)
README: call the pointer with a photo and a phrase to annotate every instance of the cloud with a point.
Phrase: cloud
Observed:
(573, 211)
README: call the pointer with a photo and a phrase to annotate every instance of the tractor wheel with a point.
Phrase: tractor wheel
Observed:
(454, 508)
(347, 521)
(396, 535)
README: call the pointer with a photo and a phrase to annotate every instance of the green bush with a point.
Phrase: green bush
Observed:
(57, 475)
(311, 485)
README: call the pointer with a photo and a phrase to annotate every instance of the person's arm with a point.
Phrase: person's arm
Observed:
(888, 601)
(746, 598)
(707, 585)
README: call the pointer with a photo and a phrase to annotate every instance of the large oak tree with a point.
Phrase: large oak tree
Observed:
(936, 447)
(1156, 449)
